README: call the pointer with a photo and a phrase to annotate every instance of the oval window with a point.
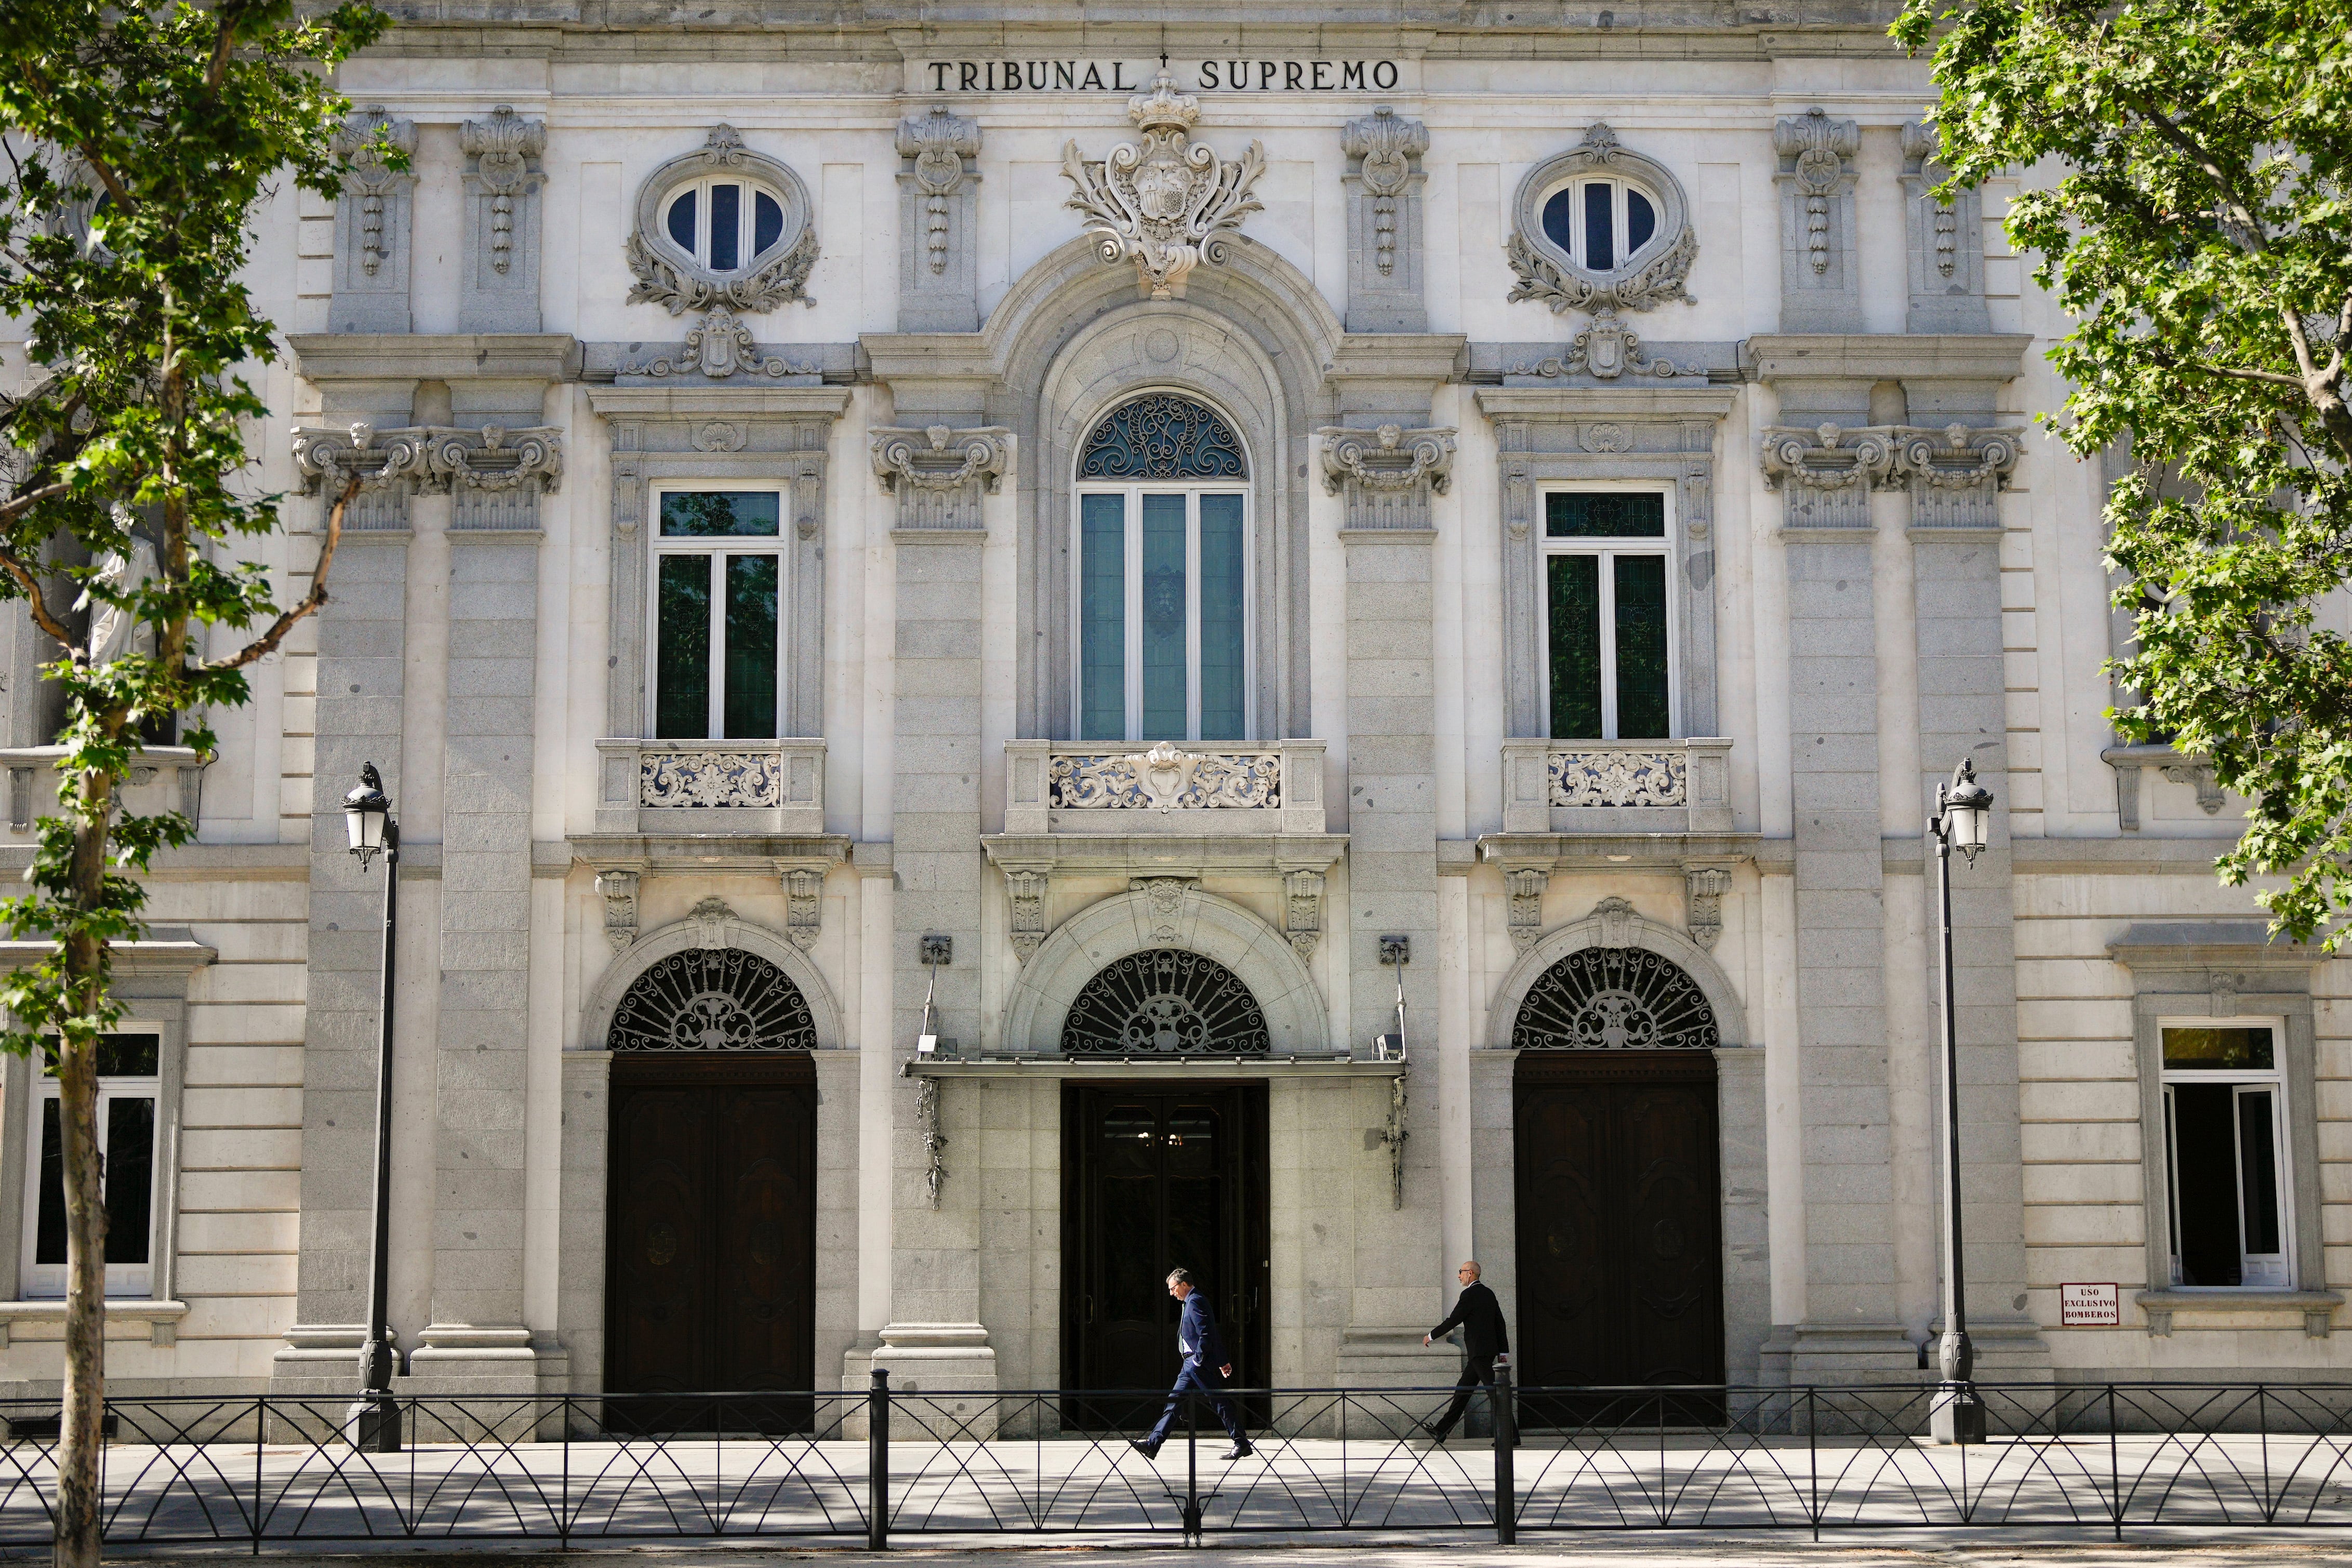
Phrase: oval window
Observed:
(681, 221)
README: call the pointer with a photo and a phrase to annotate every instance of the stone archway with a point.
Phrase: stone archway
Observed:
(712, 925)
(1160, 916)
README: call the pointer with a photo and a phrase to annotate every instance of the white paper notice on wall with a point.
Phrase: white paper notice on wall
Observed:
(2090, 1306)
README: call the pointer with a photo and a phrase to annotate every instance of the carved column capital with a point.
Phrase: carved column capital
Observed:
(939, 473)
(1956, 474)
(1826, 473)
(1387, 474)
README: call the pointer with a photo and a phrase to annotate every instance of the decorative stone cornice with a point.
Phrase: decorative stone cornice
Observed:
(939, 473)
(1388, 474)
(1163, 204)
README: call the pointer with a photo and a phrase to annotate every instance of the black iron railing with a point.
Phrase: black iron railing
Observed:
(884, 1462)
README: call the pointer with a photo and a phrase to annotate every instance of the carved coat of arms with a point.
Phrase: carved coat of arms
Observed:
(1163, 203)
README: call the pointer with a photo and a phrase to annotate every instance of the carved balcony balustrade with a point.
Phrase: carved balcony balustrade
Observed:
(1109, 786)
(162, 778)
(1616, 786)
(764, 788)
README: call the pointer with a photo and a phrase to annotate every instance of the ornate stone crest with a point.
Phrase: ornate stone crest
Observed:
(1607, 349)
(718, 346)
(1163, 204)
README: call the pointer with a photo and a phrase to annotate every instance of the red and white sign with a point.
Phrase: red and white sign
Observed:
(2090, 1306)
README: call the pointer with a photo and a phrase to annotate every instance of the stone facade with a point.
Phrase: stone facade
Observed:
(1375, 265)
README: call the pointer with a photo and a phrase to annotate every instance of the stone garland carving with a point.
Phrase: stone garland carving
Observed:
(1544, 275)
(619, 891)
(937, 143)
(667, 276)
(371, 181)
(706, 779)
(503, 148)
(927, 1118)
(1947, 244)
(719, 345)
(1920, 146)
(1387, 145)
(1617, 778)
(804, 906)
(1302, 918)
(1607, 349)
(1163, 204)
(1388, 474)
(1704, 887)
(1166, 778)
(1392, 1137)
(1955, 474)
(939, 473)
(1526, 885)
(1027, 890)
(1819, 153)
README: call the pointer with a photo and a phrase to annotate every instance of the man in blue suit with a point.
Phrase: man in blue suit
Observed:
(1203, 1368)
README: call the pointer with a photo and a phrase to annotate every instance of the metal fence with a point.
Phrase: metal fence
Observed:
(1059, 1464)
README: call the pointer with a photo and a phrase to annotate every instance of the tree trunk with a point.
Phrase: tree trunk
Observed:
(81, 1429)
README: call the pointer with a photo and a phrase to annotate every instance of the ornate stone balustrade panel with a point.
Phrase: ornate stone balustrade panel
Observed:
(1613, 777)
(1616, 786)
(1116, 787)
(711, 786)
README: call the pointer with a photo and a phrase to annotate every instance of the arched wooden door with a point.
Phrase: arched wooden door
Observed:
(1619, 1198)
(712, 1217)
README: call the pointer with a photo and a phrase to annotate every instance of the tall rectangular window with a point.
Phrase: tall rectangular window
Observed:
(718, 615)
(1163, 615)
(1609, 660)
(2225, 1157)
(127, 1089)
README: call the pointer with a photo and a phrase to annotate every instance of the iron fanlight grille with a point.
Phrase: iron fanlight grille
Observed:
(1162, 436)
(713, 999)
(1614, 999)
(1166, 1002)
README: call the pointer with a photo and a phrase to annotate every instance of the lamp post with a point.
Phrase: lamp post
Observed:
(1962, 821)
(374, 1422)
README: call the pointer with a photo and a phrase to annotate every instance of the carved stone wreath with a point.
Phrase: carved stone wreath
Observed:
(1652, 276)
(712, 999)
(669, 277)
(1166, 1002)
(1614, 999)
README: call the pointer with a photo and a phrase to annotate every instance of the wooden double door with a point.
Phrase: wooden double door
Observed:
(1620, 1228)
(1152, 1179)
(711, 1240)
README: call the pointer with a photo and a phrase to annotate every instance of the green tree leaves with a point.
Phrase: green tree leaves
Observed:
(2192, 210)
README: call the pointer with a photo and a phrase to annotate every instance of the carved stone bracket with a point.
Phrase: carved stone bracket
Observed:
(1389, 474)
(1384, 222)
(804, 905)
(1704, 887)
(938, 216)
(619, 890)
(2199, 777)
(718, 346)
(1526, 885)
(502, 222)
(1163, 203)
(1820, 290)
(940, 473)
(1607, 349)
(1302, 911)
(1027, 890)
(372, 224)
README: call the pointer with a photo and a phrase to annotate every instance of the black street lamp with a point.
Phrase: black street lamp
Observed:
(1963, 819)
(374, 1422)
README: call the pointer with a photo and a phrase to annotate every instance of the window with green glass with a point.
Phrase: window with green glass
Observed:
(1164, 614)
(1609, 641)
(718, 613)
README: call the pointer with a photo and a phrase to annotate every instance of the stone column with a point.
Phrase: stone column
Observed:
(1955, 476)
(1826, 476)
(477, 1341)
(935, 1341)
(1386, 476)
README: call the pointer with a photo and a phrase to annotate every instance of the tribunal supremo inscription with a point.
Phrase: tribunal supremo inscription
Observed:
(1116, 76)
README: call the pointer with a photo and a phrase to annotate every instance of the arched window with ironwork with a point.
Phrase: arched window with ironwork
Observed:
(1614, 999)
(1163, 574)
(1164, 1002)
(712, 999)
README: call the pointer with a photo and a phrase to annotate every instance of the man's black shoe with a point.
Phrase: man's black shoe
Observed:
(1238, 1451)
(1149, 1450)
(1435, 1433)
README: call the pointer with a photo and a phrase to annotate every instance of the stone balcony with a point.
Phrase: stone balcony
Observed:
(1119, 787)
(1616, 786)
(161, 779)
(752, 788)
